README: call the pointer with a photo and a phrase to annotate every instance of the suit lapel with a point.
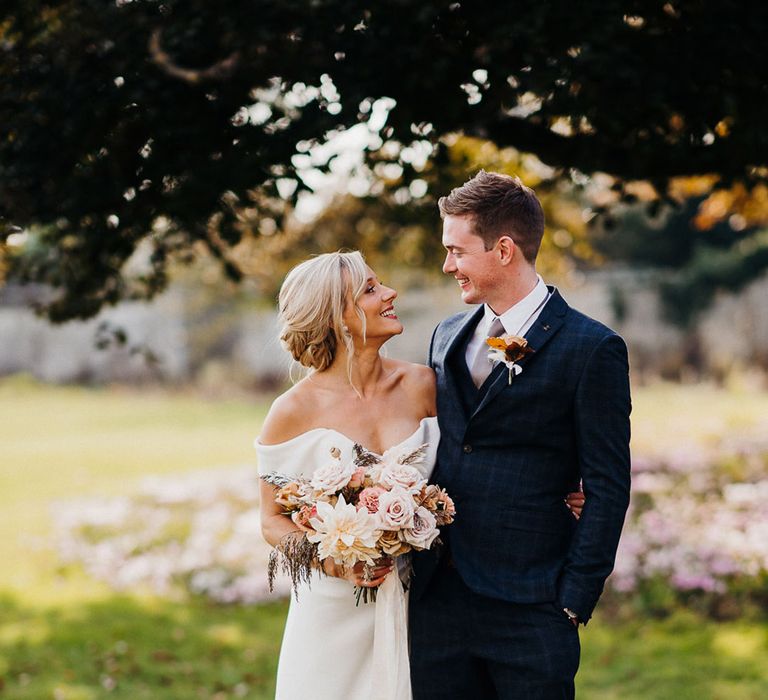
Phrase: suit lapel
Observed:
(539, 334)
(454, 365)
(463, 331)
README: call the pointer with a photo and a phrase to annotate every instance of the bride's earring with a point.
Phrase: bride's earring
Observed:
(345, 329)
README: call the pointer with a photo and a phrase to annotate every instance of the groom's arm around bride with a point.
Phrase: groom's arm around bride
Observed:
(490, 618)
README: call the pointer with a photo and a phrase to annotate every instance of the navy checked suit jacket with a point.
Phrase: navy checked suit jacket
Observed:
(509, 454)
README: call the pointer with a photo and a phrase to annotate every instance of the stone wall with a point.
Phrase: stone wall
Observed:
(733, 334)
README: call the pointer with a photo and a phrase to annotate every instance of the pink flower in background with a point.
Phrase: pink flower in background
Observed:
(693, 581)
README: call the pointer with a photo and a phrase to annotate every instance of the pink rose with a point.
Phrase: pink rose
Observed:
(369, 498)
(424, 529)
(302, 516)
(396, 509)
(401, 475)
(358, 476)
(328, 480)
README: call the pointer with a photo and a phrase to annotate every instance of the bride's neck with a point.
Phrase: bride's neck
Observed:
(367, 369)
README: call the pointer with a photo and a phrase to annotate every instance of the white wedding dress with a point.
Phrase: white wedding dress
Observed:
(333, 650)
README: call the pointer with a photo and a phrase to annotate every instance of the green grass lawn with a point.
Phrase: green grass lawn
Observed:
(134, 647)
(66, 637)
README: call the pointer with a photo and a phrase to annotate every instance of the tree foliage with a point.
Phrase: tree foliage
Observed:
(400, 233)
(690, 263)
(151, 126)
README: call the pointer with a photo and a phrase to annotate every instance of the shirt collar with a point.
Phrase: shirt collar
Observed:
(516, 316)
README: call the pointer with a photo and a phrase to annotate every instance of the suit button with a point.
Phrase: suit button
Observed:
(467, 449)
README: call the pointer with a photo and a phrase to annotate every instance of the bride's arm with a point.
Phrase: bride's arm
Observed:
(279, 426)
(274, 524)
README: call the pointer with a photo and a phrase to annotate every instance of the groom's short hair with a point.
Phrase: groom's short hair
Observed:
(500, 205)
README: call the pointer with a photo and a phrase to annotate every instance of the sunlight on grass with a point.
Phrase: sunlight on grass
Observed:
(62, 442)
(31, 631)
(744, 644)
(135, 647)
(229, 635)
(668, 416)
(673, 658)
(66, 691)
(71, 440)
(64, 636)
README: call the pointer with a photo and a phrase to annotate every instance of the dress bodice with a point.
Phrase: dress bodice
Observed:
(301, 455)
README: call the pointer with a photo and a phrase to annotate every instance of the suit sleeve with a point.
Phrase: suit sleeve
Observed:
(602, 409)
(431, 347)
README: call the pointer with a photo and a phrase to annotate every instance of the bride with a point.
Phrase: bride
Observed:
(336, 315)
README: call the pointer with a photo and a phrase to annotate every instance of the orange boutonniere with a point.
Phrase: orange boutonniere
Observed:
(509, 349)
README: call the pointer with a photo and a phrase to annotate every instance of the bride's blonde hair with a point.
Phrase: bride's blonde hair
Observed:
(311, 306)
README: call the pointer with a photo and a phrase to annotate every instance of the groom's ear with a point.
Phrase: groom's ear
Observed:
(506, 250)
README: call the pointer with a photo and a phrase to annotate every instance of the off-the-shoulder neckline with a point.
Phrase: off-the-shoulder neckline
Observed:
(290, 441)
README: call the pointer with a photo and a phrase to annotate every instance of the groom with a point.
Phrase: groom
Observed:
(496, 613)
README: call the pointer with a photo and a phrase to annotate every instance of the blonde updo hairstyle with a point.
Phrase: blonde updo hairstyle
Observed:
(311, 307)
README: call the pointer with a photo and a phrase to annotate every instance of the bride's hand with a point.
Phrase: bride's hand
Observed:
(357, 574)
(575, 502)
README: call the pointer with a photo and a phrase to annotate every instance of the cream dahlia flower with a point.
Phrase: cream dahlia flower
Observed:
(344, 533)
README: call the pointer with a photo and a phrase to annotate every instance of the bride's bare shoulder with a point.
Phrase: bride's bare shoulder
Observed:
(419, 382)
(289, 415)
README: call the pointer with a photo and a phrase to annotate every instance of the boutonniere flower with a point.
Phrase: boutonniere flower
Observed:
(509, 349)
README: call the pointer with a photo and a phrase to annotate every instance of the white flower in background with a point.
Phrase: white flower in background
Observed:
(694, 525)
(198, 531)
(344, 533)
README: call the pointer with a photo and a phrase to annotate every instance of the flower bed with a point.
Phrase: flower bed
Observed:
(697, 530)
(198, 532)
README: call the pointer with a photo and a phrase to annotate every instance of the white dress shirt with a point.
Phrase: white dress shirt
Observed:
(515, 320)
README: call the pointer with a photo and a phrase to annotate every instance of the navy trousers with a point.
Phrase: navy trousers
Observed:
(464, 645)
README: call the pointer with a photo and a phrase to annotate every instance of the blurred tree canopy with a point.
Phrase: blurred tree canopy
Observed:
(396, 229)
(135, 131)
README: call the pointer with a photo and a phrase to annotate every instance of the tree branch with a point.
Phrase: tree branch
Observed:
(218, 71)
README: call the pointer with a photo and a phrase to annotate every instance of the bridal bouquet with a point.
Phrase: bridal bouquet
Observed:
(358, 511)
